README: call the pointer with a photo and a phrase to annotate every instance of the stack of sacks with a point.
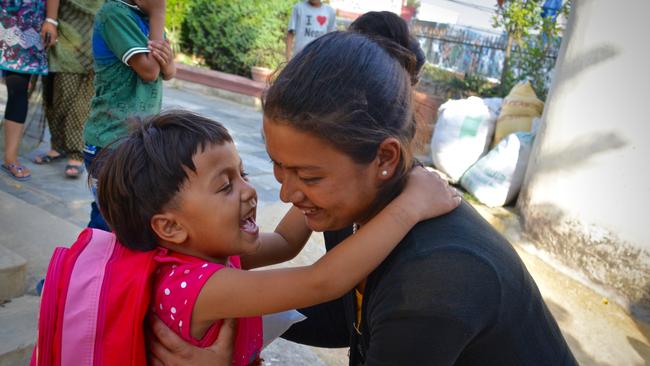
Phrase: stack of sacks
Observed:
(462, 134)
(517, 112)
(496, 178)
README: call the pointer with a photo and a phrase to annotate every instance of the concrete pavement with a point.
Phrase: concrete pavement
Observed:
(50, 210)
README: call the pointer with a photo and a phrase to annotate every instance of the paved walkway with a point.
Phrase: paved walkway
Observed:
(50, 210)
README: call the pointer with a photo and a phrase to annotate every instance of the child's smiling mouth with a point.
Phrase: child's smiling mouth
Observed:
(248, 224)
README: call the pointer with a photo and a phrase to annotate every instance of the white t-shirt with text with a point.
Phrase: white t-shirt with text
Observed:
(308, 22)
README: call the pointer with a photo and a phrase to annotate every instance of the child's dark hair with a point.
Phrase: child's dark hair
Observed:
(354, 92)
(140, 176)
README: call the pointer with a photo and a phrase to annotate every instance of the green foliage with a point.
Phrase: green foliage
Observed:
(533, 36)
(471, 85)
(447, 84)
(518, 17)
(533, 64)
(413, 3)
(432, 73)
(176, 10)
(232, 35)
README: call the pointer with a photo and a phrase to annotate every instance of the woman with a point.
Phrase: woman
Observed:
(22, 54)
(337, 125)
(69, 86)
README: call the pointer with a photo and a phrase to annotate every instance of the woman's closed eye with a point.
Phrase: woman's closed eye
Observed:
(310, 180)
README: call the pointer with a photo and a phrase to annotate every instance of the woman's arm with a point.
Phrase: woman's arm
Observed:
(249, 293)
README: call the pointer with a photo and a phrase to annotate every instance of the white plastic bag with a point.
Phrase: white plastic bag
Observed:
(462, 134)
(497, 177)
(274, 325)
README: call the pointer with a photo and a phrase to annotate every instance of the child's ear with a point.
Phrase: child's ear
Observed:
(168, 228)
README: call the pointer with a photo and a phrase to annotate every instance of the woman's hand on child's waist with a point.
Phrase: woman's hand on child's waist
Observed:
(167, 348)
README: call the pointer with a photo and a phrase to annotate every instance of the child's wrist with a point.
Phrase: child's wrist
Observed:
(157, 13)
(401, 209)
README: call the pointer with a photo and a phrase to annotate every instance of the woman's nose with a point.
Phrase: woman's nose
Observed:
(288, 190)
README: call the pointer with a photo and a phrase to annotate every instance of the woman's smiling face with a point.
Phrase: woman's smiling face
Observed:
(325, 184)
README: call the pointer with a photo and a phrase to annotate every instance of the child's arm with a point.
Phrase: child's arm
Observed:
(162, 52)
(145, 64)
(288, 45)
(286, 242)
(236, 293)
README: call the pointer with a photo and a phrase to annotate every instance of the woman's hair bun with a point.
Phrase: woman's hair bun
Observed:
(392, 33)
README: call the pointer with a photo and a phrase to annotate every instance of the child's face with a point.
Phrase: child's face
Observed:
(217, 205)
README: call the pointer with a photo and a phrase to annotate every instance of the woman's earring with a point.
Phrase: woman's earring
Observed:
(384, 173)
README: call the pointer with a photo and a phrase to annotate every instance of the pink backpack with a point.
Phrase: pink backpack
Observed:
(95, 299)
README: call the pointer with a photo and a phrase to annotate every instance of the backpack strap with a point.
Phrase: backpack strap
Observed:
(83, 299)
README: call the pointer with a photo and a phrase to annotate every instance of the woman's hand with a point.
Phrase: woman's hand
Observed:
(427, 195)
(167, 348)
(49, 34)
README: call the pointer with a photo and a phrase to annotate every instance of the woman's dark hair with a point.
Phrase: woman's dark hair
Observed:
(354, 92)
(140, 176)
(390, 26)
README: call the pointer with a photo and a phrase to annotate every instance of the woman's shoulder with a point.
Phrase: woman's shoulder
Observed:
(460, 244)
(462, 231)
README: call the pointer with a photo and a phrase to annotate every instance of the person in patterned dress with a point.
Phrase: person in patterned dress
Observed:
(22, 54)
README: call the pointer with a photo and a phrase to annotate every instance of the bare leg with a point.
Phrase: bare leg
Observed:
(13, 132)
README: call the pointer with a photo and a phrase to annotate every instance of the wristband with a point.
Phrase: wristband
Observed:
(52, 21)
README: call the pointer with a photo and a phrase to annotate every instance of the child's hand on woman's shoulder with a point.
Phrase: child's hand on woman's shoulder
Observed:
(427, 195)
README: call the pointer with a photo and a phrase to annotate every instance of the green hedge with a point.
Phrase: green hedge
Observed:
(233, 35)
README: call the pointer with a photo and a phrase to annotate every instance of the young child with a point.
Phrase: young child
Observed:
(130, 56)
(309, 20)
(177, 185)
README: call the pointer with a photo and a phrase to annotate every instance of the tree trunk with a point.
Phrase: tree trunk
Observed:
(506, 64)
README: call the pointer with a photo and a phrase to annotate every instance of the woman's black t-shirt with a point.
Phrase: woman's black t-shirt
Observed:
(453, 292)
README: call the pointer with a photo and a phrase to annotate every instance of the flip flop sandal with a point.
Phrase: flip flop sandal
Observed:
(73, 171)
(14, 169)
(46, 159)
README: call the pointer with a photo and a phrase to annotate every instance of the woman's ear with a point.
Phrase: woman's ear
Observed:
(168, 228)
(389, 153)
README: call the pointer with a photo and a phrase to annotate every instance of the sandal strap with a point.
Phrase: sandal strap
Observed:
(16, 166)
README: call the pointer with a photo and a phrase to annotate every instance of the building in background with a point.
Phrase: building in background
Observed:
(353, 8)
(468, 13)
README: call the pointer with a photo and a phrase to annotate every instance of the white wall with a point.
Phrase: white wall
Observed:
(586, 198)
